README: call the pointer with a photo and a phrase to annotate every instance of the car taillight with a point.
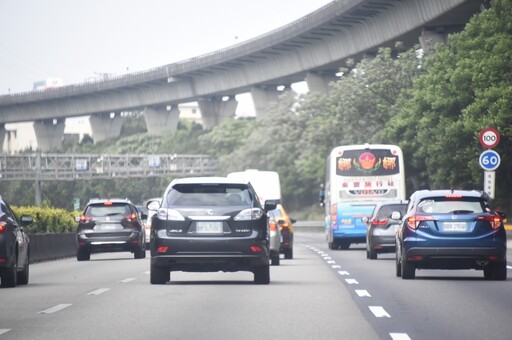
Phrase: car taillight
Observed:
(494, 220)
(272, 225)
(413, 222)
(162, 249)
(3, 227)
(131, 217)
(85, 218)
(379, 222)
(256, 249)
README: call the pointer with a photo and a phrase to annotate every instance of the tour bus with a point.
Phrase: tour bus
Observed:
(356, 178)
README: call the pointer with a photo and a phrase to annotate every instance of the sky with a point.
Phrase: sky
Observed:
(75, 40)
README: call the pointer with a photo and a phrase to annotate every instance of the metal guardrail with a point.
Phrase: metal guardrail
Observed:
(67, 167)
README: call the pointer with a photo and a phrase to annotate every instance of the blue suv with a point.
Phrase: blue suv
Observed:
(451, 229)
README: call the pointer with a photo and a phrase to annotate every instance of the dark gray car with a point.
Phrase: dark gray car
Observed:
(380, 236)
(209, 224)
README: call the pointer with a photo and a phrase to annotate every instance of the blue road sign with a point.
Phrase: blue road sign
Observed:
(489, 160)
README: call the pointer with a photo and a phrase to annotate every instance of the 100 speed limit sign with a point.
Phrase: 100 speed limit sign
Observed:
(489, 160)
(489, 138)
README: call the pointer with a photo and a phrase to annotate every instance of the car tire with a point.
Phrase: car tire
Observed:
(372, 253)
(275, 260)
(398, 266)
(288, 254)
(9, 275)
(159, 276)
(83, 255)
(333, 245)
(408, 271)
(139, 253)
(496, 271)
(262, 275)
(23, 275)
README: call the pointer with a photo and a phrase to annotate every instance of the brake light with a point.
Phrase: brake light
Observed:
(85, 218)
(107, 203)
(162, 249)
(3, 227)
(453, 196)
(379, 222)
(272, 225)
(414, 221)
(494, 220)
(131, 217)
(256, 249)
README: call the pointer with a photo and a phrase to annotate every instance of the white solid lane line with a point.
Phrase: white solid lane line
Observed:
(55, 309)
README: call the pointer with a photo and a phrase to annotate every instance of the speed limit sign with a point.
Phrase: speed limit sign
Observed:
(489, 138)
(489, 160)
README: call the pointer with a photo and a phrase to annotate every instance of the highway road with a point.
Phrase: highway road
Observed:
(320, 294)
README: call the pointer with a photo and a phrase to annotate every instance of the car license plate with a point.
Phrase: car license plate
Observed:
(455, 226)
(209, 227)
(108, 227)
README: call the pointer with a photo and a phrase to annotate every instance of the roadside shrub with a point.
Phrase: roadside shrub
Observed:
(48, 220)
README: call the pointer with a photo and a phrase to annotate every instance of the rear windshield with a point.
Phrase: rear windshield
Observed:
(209, 195)
(386, 210)
(459, 205)
(101, 210)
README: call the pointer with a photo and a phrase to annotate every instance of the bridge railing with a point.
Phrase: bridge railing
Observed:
(67, 167)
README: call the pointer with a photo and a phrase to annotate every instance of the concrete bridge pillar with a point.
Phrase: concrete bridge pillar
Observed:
(319, 82)
(49, 133)
(262, 97)
(430, 38)
(214, 110)
(159, 119)
(105, 126)
(3, 133)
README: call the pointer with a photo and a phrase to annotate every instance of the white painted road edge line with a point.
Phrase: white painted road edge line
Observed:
(98, 291)
(3, 331)
(55, 309)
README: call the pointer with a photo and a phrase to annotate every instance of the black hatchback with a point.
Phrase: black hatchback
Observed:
(110, 225)
(210, 224)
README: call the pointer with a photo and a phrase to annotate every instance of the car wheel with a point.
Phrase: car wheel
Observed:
(9, 276)
(139, 253)
(24, 274)
(159, 276)
(344, 245)
(496, 271)
(333, 245)
(274, 260)
(288, 254)
(398, 266)
(408, 271)
(262, 275)
(372, 253)
(83, 255)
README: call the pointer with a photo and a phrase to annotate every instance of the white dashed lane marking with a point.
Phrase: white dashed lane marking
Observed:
(127, 280)
(343, 272)
(55, 309)
(362, 293)
(379, 312)
(98, 291)
(352, 281)
(3, 331)
(399, 336)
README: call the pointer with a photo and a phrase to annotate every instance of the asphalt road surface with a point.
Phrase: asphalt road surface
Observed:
(319, 294)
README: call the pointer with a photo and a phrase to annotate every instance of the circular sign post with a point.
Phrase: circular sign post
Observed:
(489, 138)
(489, 160)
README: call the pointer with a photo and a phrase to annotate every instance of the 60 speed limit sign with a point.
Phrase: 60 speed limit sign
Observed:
(489, 160)
(489, 138)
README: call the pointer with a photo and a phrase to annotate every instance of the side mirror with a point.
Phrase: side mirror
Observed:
(366, 220)
(143, 215)
(77, 218)
(153, 206)
(396, 215)
(270, 205)
(26, 220)
(293, 220)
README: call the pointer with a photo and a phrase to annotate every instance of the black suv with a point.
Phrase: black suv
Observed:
(14, 247)
(209, 224)
(109, 225)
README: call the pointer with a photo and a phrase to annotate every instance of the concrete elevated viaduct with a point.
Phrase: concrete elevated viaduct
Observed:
(311, 49)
